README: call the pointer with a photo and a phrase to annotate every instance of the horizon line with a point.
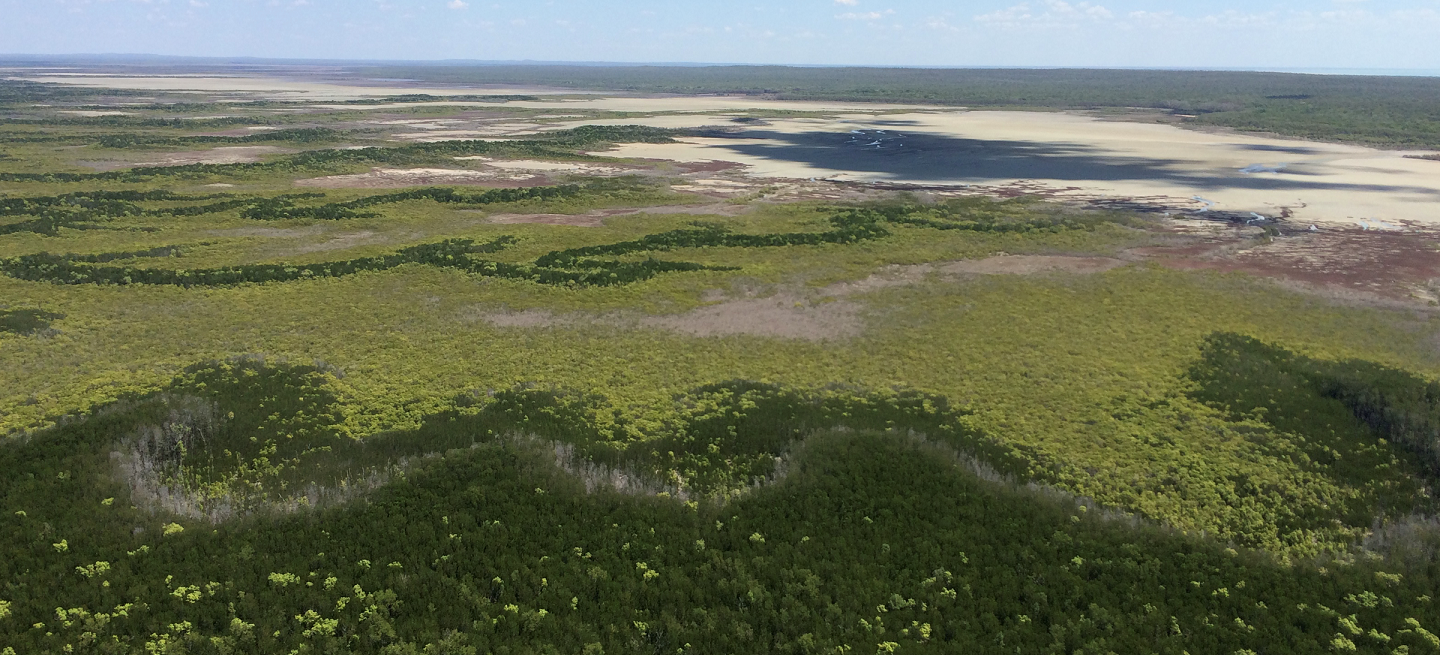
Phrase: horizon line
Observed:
(136, 58)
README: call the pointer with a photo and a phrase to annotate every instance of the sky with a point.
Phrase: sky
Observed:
(1261, 34)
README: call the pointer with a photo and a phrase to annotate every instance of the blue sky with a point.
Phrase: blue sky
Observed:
(1375, 34)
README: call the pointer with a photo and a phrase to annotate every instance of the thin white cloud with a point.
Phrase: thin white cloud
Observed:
(457, 4)
(847, 3)
(1234, 18)
(868, 15)
(940, 23)
(1050, 13)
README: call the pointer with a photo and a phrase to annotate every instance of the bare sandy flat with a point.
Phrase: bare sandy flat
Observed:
(557, 167)
(92, 113)
(705, 104)
(805, 316)
(639, 104)
(270, 232)
(1184, 170)
(494, 173)
(224, 155)
(388, 178)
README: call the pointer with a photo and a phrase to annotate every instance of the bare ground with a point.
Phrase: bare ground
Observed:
(783, 316)
(393, 178)
(1032, 264)
(597, 217)
(222, 155)
(1350, 265)
(270, 232)
(341, 242)
(809, 316)
(1398, 269)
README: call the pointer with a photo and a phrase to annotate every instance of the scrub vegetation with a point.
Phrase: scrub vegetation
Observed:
(251, 418)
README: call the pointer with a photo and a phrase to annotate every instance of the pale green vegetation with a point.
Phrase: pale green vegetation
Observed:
(367, 450)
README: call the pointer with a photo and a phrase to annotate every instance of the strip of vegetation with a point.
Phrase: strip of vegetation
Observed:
(15, 93)
(850, 226)
(297, 135)
(162, 251)
(1434, 157)
(282, 208)
(92, 209)
(560, 144)
(112, 203)
(69, 269)
(450, 253)
(89, 209)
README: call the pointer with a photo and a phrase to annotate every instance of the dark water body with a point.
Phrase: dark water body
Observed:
(890, 148)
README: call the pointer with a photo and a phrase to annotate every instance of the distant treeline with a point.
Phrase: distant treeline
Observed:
(1385, 111)
(449, 253)
(24, 93)
(1200, 91)
(138, 121)
(92, 209)
(409, 98)
(283, 208)
(88, 209)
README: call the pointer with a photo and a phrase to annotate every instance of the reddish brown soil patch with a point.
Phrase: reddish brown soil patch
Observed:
(1383, 265)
